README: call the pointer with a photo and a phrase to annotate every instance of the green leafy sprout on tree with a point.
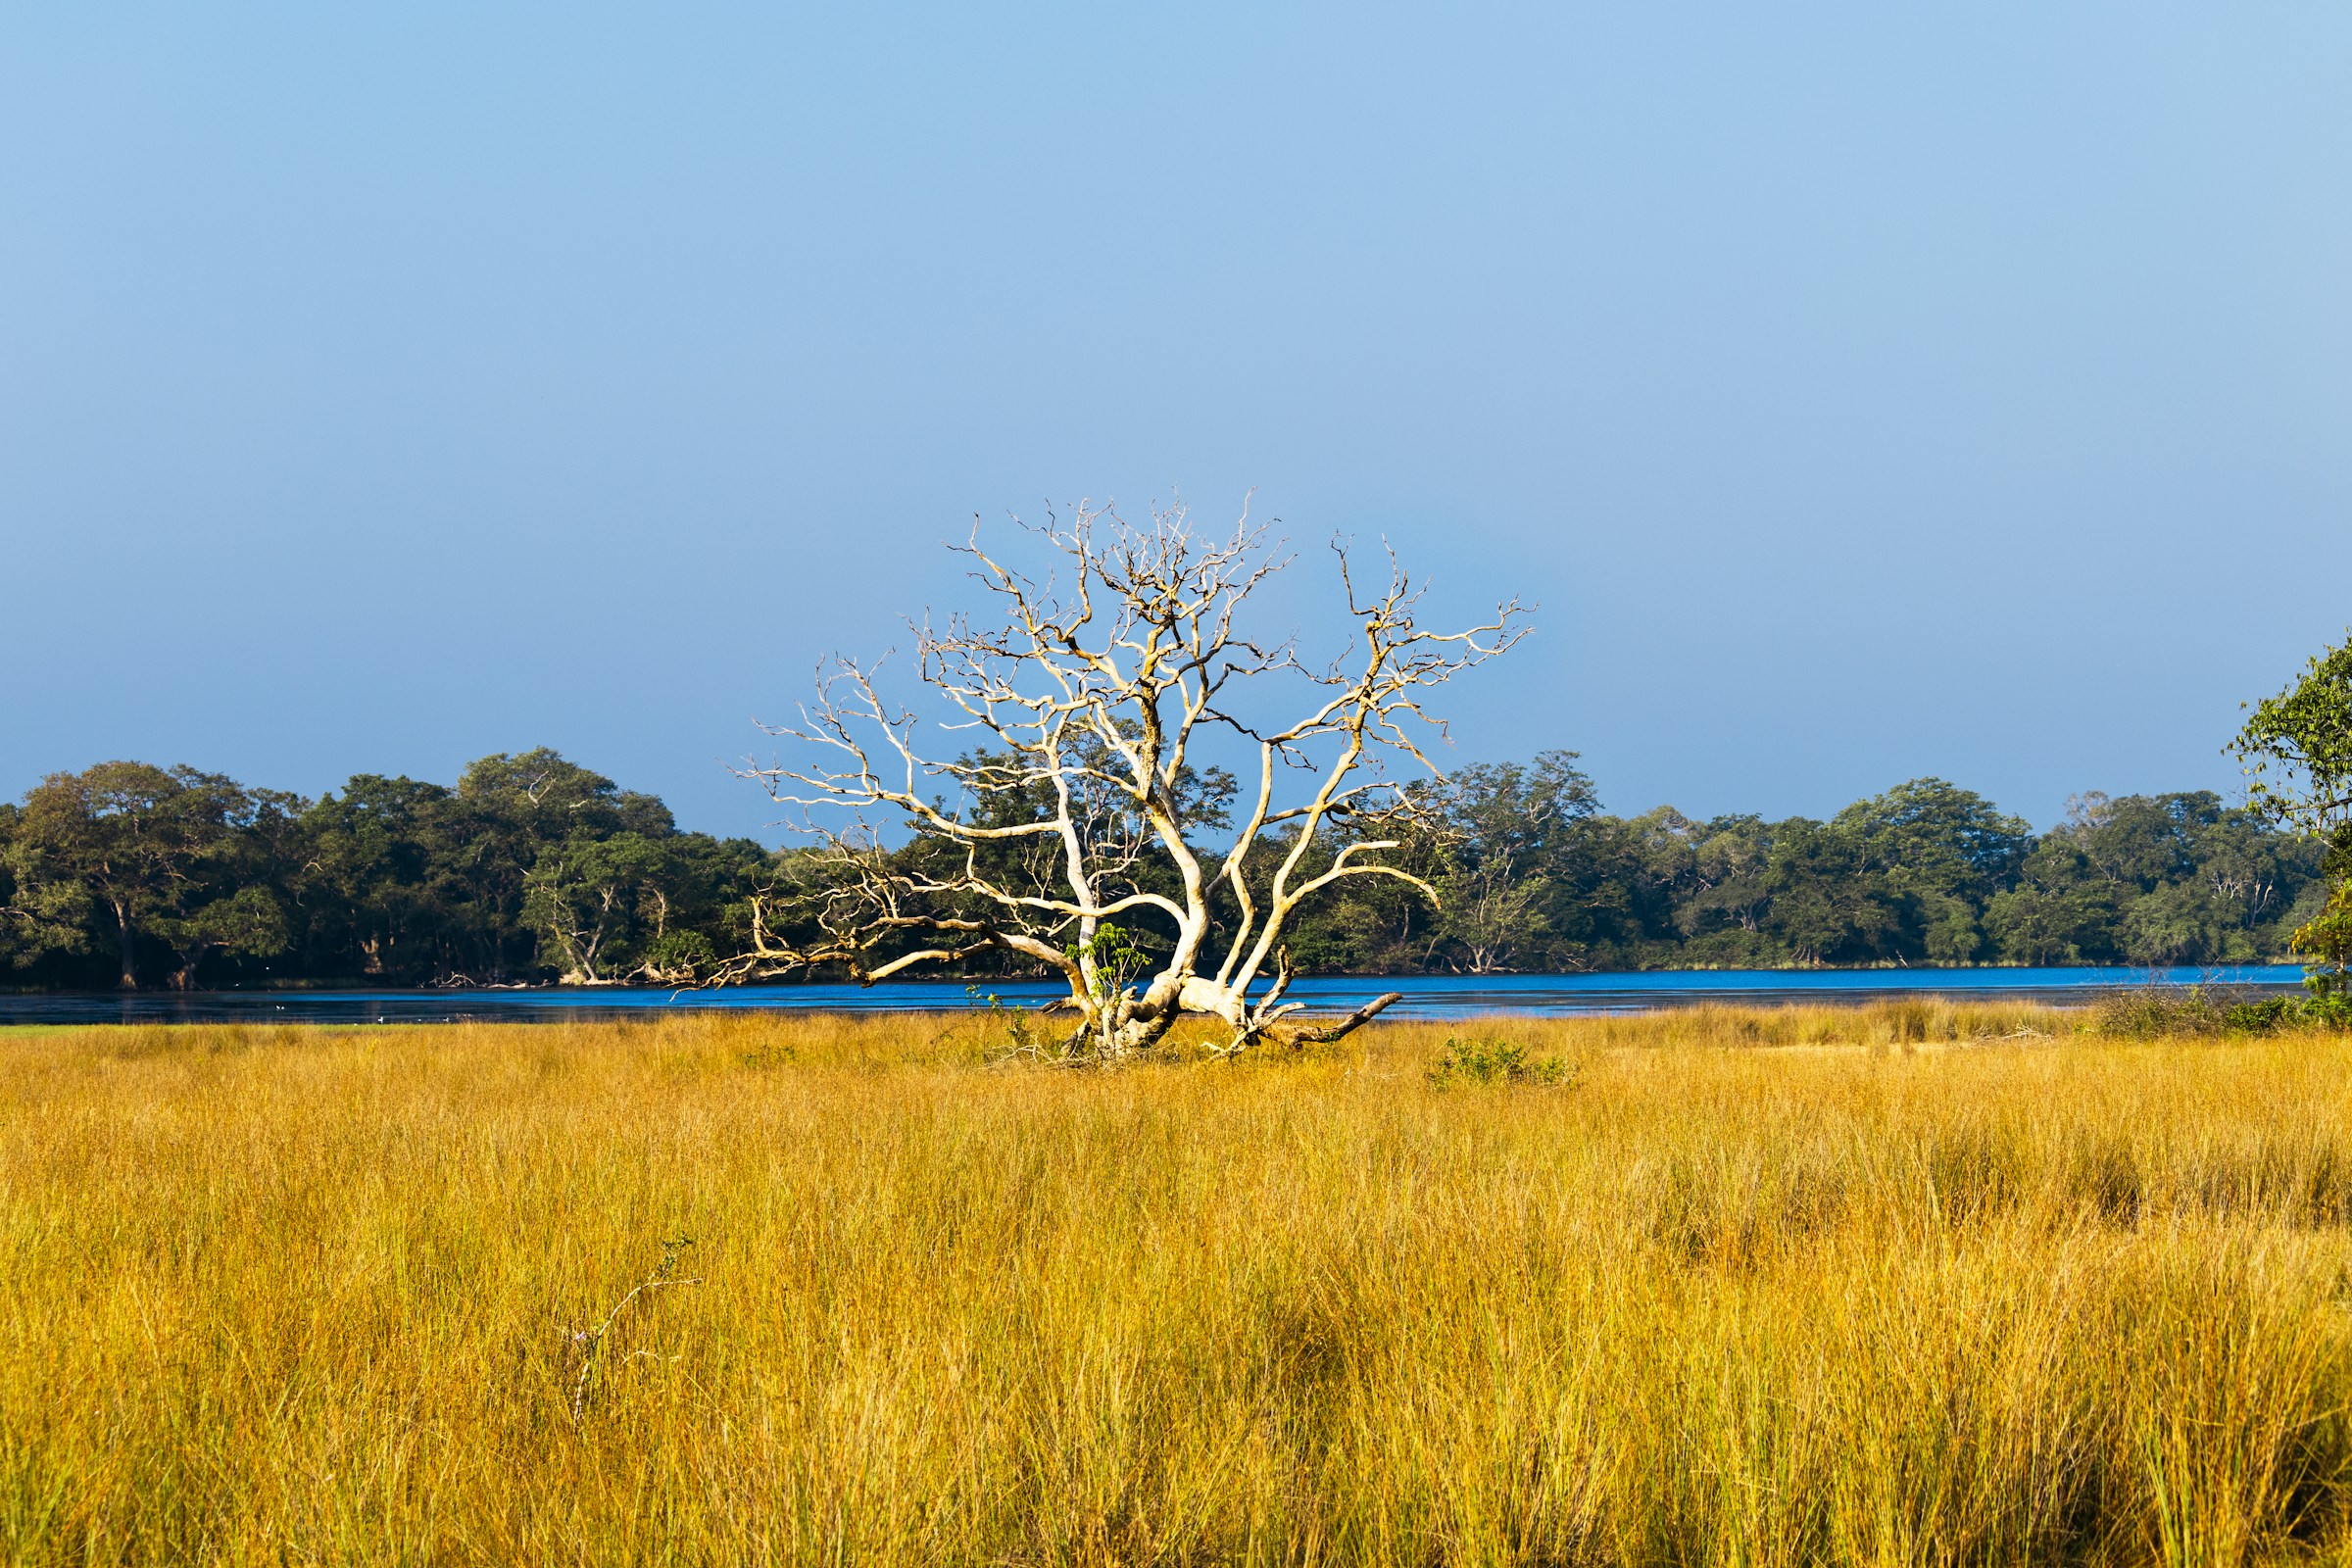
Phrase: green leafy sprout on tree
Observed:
(2297, 750)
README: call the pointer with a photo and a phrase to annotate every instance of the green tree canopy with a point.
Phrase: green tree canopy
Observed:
(2296, 748)
(155, 850)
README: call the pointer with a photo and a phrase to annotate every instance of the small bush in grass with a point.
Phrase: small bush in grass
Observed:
(2160, 1010)
(1495, 1061)
(2263, 1017)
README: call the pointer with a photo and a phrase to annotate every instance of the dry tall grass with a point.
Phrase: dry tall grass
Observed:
(1808, 1286)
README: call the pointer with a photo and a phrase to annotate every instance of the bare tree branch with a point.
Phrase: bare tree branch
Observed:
(1083, 801)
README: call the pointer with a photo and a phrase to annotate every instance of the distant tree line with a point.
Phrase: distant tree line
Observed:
(1533, 875)
(531, 868)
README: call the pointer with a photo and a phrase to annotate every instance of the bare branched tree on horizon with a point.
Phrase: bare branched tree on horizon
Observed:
(1084, 803)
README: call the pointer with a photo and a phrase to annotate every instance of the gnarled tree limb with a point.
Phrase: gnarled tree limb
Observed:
(1084, 803)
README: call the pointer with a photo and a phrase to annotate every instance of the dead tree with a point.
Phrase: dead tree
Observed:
(1086, 808)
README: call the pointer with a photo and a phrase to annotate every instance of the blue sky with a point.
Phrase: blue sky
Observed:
(1861, 393)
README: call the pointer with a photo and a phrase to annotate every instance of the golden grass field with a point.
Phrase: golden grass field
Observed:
(1870, 1286)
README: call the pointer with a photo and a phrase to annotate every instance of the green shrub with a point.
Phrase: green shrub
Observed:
(2161, 1011)
(2158, 1010)
(1495, 1061)
(2263, 1017)
(2330, 1005)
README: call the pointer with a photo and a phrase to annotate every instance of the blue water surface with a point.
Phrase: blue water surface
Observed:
(1425, 996)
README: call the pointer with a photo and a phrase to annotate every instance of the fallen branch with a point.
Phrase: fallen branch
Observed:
(1354, 1021)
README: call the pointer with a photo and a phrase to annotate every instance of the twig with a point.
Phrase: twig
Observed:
(590, 1340)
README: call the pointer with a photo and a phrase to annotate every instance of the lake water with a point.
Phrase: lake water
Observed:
(1425, 996)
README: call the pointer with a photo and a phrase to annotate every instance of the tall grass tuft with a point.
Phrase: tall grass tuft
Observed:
(1917, 1284)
